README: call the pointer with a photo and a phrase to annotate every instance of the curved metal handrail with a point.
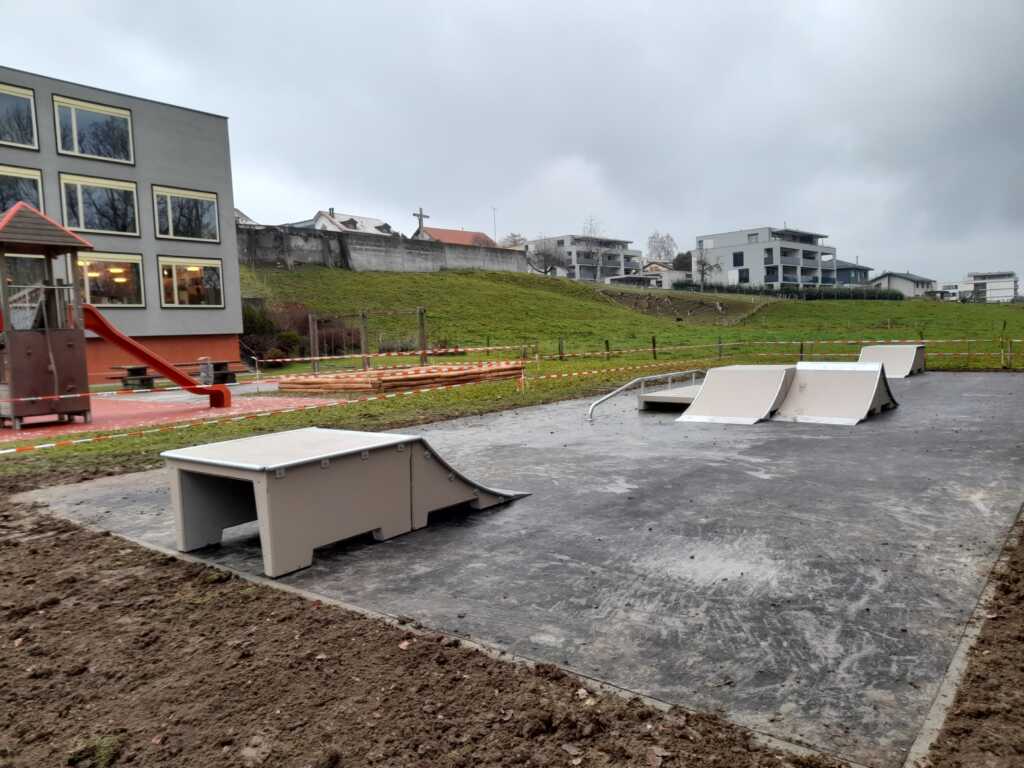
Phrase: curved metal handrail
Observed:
(691, 372)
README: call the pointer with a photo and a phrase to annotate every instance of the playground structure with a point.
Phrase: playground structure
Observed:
(43, 323)
(900, 360)
(321, 486)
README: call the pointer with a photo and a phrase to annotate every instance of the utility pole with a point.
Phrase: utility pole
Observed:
(494, 215)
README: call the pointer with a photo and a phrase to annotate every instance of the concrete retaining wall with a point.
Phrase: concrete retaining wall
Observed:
(289, 246)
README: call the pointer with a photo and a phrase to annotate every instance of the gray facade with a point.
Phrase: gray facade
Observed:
(847, 273)
(767, 256)
(589, 258)
(182, 150)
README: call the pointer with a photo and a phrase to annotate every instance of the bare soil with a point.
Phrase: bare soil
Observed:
(111, 654)
(985, 727)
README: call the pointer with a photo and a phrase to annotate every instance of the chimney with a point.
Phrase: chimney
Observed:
(330, 212)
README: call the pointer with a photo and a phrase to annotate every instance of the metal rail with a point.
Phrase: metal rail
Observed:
(642, 381)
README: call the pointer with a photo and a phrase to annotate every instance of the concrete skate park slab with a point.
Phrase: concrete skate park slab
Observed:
(809, 582)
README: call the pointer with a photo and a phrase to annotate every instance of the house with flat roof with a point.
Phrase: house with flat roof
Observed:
(767, 256)
(588, 257)
(988, 287)
(907, 283)
(149, 185)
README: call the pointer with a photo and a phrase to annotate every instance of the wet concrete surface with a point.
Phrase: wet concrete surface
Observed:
(810, 582)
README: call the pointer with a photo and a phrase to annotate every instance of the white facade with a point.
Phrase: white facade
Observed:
(988, 287)
(910, 285)
(767, 256)
(588, 258)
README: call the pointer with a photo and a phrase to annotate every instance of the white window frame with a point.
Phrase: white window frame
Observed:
(26, 93)
(92, 181)
(26, 173)
(163, 261)
(170, 192)
(74, 105)
(85, 257)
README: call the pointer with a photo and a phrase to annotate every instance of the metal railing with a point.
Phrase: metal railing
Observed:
(642, 381)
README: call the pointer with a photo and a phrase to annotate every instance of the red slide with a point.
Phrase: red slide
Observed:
(220, 396)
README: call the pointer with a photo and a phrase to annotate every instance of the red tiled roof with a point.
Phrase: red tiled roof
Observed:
(459, 237)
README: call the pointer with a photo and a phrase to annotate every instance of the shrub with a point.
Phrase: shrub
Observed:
(795, 292)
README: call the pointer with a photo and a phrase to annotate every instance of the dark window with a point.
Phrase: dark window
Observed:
(17, 116)
(561, 242)
(737, 259)
(752, 237)
(94, 130)
(99, 205)
(744, 276)
(769, 255)
(17, 185)
(187, 215)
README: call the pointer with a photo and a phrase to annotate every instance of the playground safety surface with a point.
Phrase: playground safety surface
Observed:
(811, 582)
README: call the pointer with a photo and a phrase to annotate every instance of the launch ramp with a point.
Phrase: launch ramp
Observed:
(900, 360)
(311, 487)
(836, 393)
(740, 394)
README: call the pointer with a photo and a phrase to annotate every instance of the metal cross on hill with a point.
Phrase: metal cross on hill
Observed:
(421, 216)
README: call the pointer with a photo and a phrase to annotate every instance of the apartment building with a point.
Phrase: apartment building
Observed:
(586, 257)
(988, 287)
(847, 273)
(149, 185)
(771, 256)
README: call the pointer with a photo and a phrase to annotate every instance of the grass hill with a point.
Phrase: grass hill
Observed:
(469, 308)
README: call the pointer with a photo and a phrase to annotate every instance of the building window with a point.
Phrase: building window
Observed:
(769, 255)
(753, 237)
(99, 205)
(111, 279)
(744, 276)
(93, 130)
(20, 185)
(185, 215)
(737, 259)
(191, 282)
(561, 242)
(18, 117)
(700, 243)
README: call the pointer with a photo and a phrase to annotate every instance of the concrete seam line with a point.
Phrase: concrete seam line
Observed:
(945, 694)
(492, 651)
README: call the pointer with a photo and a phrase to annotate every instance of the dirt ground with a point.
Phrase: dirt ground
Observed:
(114, 655)
(985, 727)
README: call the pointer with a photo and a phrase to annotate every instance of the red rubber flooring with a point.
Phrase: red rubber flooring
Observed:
(111, 414)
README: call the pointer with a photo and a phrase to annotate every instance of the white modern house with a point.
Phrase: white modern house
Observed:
(767, 256)
(587, 257)
(907, 283)
(988, 287)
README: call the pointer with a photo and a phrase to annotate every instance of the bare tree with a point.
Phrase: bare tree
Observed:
(513, 240)
(546, 258)
(703, 266)
(661, 247)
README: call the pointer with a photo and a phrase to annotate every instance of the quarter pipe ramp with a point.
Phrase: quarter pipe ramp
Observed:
(900, 360)
(740, 394)
(836, 393)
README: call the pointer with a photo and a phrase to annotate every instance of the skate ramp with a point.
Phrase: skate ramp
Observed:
(311, 487)
(740, 394)
(836, 393)
(900, 360)
(678, 397)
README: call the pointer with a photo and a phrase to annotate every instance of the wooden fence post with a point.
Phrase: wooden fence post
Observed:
(607, 350)
(421, 317)
(654, 347)
(314, 342)
(561, 348)
(364, 328)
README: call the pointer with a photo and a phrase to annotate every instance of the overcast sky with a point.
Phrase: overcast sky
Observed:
(895, 127)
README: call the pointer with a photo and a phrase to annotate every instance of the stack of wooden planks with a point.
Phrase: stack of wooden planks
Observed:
(385, 379)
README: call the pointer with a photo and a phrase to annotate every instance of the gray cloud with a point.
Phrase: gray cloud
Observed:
(894, 127)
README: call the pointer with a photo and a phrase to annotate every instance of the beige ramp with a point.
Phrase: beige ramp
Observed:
(739, 394)
(836, 393)
(312, 487)
(900, 360)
